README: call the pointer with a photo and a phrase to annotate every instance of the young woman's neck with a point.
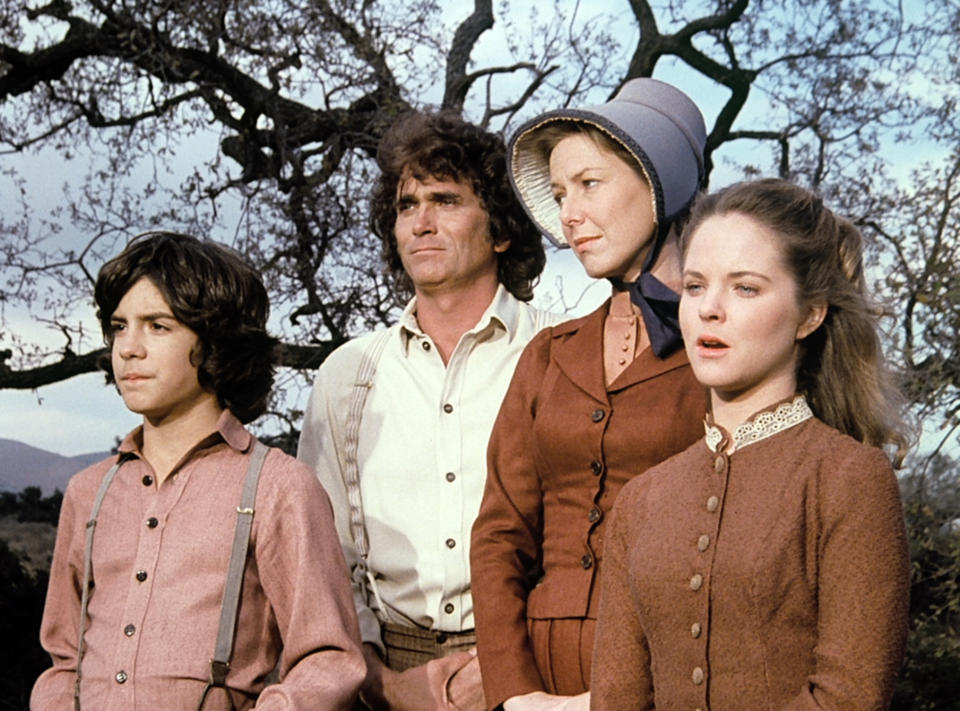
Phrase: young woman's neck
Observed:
(731, 409)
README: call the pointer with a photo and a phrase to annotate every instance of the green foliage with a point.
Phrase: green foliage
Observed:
(21, 607)
(31, 505)
(930, 679)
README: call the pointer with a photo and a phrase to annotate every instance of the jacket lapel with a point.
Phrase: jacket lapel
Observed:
(577, 351)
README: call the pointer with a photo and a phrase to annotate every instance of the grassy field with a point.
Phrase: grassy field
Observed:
(31, 541)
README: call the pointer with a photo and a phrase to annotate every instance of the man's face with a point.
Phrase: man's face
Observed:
(151, 356)
(443, 235)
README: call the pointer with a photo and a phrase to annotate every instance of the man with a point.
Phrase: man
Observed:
(145, 608)
(424, 395)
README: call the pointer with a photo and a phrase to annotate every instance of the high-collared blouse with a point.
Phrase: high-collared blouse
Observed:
(772, 577)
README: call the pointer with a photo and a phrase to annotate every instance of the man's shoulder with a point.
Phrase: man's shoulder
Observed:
(350, 351)
(557, 325)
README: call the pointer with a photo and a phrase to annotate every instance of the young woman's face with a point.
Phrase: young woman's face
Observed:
(739, 312)
(606, 207)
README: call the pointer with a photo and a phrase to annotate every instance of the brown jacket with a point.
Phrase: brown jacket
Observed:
(563, 446)
(775, 578)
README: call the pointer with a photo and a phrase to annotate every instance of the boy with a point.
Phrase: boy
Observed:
(186, 325)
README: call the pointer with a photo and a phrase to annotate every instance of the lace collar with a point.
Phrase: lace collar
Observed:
(762, 425)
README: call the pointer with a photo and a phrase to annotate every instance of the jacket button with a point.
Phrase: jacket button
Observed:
(448, 608)
(152, 522)
(451, 543)
(719, 464)
(129, 630)
(147, 480)
(713, 503)
(596, 466)
(703, 543)
(697, 676)
(450, 476)
(448, 408)
(426, 345)
(141, 575)
(598, 414)
(120, 677)
(695, 630)
(586, 562)
(696, 581)
(594, 515)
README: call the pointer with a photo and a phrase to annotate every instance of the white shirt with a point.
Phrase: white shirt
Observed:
(421, 456)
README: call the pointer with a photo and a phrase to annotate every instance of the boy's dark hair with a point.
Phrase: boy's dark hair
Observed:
(443, 146)
(212, 290)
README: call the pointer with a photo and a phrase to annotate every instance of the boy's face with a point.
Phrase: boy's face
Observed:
(151, 357)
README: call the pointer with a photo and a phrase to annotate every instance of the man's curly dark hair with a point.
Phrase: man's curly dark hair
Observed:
(212, 290)
(443, 146)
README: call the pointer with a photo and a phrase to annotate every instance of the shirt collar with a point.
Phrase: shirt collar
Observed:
(229, 430)
(764, 424)
(504, 309)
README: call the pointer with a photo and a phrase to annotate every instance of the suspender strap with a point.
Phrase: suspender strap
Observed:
(220, 664)
(87, 564)
(350, 468)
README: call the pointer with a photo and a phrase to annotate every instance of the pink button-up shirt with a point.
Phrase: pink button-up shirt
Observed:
(160, 559)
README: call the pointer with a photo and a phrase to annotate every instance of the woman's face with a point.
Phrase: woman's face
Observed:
(739, 312)
(606, 207)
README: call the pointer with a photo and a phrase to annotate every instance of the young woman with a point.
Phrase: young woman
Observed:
(593, 402)
(766, 566)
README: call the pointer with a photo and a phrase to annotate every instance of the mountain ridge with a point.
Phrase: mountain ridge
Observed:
(23, 465)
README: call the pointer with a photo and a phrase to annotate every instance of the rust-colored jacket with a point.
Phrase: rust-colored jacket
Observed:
(773, 578)
(563, 446)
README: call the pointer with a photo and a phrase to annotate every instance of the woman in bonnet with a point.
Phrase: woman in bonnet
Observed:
(594, 401)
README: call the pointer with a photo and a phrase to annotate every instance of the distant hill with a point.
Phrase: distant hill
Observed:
(22, 465)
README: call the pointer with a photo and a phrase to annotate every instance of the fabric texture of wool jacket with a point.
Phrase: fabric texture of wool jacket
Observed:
(773, 578)
(563, 446)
